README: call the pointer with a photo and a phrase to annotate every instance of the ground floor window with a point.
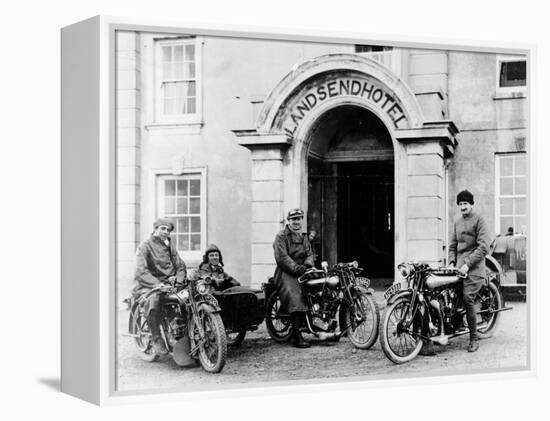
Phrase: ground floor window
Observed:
(511, 193)
(181, 198)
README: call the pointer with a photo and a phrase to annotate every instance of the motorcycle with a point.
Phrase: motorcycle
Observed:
(191, 326)
(427, 306)
(339, 303)
(242, 310)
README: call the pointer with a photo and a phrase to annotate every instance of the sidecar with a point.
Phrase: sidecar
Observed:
(242, 310)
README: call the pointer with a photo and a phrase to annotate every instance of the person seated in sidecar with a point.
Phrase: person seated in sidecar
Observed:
(212, 266)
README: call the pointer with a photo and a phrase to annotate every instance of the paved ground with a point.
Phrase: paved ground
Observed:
(260, 360)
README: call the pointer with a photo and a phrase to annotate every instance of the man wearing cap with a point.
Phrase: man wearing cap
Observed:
(467, 250)
(293, 255)
(212, 266)
(157, 260)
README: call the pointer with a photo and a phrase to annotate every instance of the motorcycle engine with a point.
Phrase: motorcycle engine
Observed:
(447, 301)
(324, 304)
(177, 328)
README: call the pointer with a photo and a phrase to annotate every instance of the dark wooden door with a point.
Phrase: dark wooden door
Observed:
(353, 213)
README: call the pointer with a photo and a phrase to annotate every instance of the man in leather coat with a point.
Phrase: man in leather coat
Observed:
(467, 250)
(157, 261)
(293, 255)
(212, 266)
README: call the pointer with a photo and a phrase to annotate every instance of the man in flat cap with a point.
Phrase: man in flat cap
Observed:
(157, 260)
(293, 255)
(467, 250)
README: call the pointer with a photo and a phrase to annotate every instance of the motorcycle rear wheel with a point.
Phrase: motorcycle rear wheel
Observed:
(490, 299)
(365, 334)
(399, 345)
(213, 352)
(235, 338)
(278, 327)
(137, 325)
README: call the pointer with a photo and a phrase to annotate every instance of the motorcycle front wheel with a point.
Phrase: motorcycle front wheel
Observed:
(278, 326)
(141, 334)
(400, 343)
(489, 299)
(213, 345)
(363, 332)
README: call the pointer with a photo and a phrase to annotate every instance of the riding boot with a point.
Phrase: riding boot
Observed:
(427, 349)
(156, 340)
(471, 317)
(297, 339)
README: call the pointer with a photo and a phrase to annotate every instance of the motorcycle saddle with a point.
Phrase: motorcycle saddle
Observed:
(437, 281)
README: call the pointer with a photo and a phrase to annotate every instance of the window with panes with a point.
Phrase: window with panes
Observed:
(178, 77)
(180, 200)
(513, 73)
(511, 206)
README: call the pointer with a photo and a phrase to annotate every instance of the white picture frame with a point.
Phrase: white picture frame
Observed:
(89, 194)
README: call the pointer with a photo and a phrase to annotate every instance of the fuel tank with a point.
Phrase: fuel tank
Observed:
(437, 281)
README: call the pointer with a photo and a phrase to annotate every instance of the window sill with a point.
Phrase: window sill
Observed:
(185, 128)
(510, 95)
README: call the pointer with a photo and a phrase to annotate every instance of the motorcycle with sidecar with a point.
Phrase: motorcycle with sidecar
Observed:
(190, 324)
(242, 310)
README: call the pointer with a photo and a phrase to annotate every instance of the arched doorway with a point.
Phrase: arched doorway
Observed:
(351, 189)
(313, 112)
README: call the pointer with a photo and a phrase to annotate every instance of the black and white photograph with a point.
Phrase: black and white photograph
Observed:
(297, 211)
(274, 210)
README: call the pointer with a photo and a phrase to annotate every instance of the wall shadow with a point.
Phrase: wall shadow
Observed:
(52, 383)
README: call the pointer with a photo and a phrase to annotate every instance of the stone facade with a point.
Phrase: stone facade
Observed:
(261, 104)
(128, 91)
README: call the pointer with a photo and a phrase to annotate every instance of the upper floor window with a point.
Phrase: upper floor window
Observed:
(388, 56)
(511, 189)
(362, 48)
(178, 80)
(511, 74)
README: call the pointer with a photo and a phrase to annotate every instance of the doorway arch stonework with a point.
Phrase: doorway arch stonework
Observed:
(280, 144)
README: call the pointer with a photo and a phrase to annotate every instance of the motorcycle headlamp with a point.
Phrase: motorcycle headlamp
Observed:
(183, 294)
(404, 269)
(203, 288)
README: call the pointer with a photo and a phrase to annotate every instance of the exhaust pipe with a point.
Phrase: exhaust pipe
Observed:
(327, 335)
(440, 339)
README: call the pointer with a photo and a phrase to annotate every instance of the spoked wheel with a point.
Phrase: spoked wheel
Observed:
(213, 345)
(490, 300)
(278, 326)
(363, 326)
(139, 329)
(400, 338)
(235, 338)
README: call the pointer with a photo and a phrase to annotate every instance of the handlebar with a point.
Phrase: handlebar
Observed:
(452, 271)
(354, 265)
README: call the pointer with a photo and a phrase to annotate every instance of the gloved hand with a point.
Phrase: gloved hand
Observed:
(164, 287)
(300, 270)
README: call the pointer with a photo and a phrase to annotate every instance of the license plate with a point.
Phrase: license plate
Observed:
(394, 289)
